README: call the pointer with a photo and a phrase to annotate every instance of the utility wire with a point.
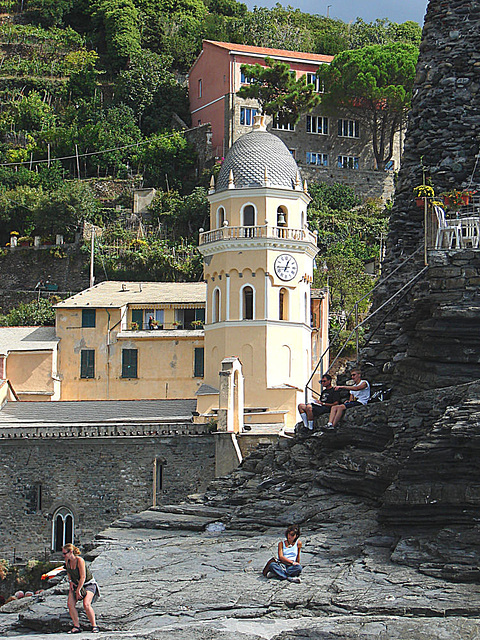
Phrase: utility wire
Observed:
(90, 153)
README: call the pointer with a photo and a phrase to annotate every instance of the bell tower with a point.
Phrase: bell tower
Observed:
(258, 258)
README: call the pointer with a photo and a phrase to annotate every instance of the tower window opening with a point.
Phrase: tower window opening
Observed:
(247, 303)
(282, 304)
(249, 216)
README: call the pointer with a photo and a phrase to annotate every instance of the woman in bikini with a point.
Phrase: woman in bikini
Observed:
(82, 587)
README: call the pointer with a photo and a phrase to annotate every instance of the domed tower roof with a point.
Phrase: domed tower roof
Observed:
(258, 159)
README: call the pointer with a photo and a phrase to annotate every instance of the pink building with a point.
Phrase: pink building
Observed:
(215, 78)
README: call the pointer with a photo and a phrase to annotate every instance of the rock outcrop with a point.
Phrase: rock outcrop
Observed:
(388, 503)
(427, 334)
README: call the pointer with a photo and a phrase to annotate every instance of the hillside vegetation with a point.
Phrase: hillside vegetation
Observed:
(94, 91)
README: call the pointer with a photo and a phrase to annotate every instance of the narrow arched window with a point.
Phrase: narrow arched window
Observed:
(220, 217)
(283, 304)
(62, 528)
(216, 306)
(247, 303)
(249, 216)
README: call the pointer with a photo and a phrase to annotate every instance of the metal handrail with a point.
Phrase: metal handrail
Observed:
(358, 325)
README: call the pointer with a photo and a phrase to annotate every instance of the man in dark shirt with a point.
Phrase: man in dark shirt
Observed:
(328, 399)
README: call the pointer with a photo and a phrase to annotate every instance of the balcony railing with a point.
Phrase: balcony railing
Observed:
(264, 231)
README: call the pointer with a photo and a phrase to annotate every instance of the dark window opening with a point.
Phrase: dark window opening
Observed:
(249, 216)
(248, 303)
(88, 317)
(87, 363)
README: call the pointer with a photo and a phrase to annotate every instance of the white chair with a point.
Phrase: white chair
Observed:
(448, 230)
(470, 232)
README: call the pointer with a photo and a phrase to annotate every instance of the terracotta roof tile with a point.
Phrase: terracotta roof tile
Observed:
(243, 48)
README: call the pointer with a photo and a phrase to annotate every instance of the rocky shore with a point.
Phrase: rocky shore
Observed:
(388, 503)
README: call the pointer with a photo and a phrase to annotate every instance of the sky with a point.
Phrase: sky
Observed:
(349, 10)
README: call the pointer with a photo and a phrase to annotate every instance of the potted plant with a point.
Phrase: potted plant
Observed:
(134, 326)
(423, 191)
(197, 324)
(25, 241)
(455, 198)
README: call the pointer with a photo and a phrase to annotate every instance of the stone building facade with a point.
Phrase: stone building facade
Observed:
(58, 481)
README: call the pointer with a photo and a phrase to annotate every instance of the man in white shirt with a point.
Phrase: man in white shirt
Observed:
(359, 395)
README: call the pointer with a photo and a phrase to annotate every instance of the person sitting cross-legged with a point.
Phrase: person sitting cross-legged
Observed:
(359, 395)
(329, 398)
(288, 566)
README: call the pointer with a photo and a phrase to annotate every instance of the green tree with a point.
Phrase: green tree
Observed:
(17, 209)
(181, 216)
(373, 85)
(382, 31)
(173, 28)
(150, 89)
(277, 90)
(49, 12)
(121, 24)
(62, 210)
(30, 314)
(31, 113)
(168, 161)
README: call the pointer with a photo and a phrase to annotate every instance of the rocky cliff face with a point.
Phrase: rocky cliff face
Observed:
(442, 141)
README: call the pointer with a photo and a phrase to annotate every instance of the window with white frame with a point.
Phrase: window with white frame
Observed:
(216, 306)
(320, 159)
(245, 79)
(348, 162)
(317, 83)
(247, 115)
(282, 126)
(348, 128)
(248, 216)
(220, 217)
(248, 303)
(63, 526)
(317, 124)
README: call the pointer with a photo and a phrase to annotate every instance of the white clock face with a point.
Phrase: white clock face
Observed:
(286, 267)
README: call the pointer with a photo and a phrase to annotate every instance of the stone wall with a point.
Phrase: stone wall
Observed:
(441, 144)
(23, 267)
(367, 184)
(98, 479)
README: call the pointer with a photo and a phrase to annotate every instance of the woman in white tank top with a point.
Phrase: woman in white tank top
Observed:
(288, 566)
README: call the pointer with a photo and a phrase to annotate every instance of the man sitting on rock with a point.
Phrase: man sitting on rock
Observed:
(359, 395)
(329, 398)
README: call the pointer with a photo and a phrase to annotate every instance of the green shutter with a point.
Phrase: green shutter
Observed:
(129, 363)
(88, 317)
(198, 368)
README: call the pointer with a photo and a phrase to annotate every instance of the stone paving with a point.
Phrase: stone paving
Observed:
(160, 581)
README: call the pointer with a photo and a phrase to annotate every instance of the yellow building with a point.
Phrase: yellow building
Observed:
(258, 268)
(28, 364)
(254, 318)
(131, 341)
